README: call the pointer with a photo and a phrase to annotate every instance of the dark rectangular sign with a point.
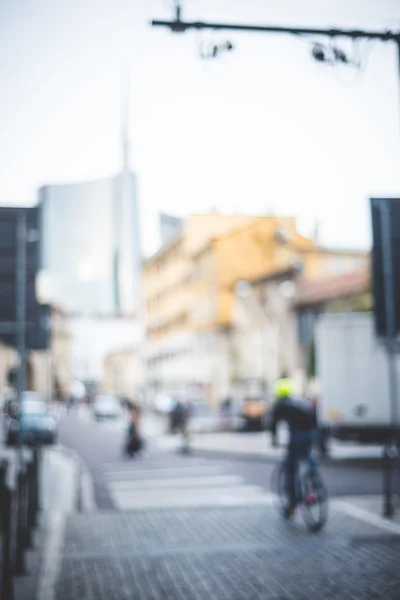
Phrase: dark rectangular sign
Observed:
(9, 217)
(385, 213)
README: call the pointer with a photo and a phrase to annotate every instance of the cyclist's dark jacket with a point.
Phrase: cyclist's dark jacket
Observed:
(298, 414)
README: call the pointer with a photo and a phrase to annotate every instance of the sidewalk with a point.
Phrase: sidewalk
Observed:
(243, 553)
(258, 446)
(58, 497)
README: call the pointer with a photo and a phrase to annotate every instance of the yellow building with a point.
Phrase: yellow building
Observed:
(190, 288)
(189, 284)
(170, 275)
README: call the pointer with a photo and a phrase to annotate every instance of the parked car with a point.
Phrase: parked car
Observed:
(31, 422)
(106, 406)
(253, 414)
(202, 418)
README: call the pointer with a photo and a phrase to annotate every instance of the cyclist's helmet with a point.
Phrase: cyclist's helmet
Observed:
(284, 388)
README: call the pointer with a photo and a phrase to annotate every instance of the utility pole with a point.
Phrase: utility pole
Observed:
(21, 309)
(390, 451)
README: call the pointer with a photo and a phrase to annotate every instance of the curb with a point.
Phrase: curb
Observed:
(54, 535)
(54, 527)
(85, 497)
(347, 506)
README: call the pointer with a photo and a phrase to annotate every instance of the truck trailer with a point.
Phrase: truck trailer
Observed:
(353, 372)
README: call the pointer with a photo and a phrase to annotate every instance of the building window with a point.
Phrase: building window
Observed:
(306, 323)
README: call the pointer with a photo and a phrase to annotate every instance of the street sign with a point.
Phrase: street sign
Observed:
(385, 214)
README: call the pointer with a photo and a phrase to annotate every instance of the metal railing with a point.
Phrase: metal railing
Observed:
(19, 493)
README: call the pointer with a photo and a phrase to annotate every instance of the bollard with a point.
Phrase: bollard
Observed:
(3, 466)
(31, 517)
(25, 508)
(7, 563)
(3, 524)
(388, 459)
(6, 567)
(21, 537)
(13, 527)
(3, 469)
(36, 477)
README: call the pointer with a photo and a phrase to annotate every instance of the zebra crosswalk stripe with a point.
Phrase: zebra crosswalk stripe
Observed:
(152, 473)
(177, 482)
(224, 497)
(198, 489)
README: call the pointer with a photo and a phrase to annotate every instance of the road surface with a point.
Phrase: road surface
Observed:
(164, 477)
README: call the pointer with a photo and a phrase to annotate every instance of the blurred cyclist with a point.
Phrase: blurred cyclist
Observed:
(301, 420)
(284, 383)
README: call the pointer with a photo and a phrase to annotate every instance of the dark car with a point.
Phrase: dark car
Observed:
(253, 414)
(33, 425)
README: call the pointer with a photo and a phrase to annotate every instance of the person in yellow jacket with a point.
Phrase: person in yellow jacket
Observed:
(284, 388)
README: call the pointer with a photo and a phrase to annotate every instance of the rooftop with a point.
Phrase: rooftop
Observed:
(323, 290)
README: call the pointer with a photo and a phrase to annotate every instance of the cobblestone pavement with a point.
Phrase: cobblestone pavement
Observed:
(225, 553)
(178, 534)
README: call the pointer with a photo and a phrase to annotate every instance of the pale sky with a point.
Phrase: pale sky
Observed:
(263, 128)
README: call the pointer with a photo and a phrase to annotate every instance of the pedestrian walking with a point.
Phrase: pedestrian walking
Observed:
(226, 411)
(175, 416)
(184, 426)
(134, 442)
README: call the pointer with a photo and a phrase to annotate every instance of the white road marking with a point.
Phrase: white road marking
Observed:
(237, 490)
(177, 482)
(181, 498)
(167, 472)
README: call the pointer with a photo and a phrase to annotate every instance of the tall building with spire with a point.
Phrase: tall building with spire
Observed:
(90, 242)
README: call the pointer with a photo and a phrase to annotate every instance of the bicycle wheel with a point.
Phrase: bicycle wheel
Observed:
(279, 486)
(315, 500)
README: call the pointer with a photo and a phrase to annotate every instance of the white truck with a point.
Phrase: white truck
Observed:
(353, 373)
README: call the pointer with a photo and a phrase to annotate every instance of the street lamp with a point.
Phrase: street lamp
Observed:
(287, 289)
(243, 289)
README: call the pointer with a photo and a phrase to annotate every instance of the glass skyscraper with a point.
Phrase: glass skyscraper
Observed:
(90, 246)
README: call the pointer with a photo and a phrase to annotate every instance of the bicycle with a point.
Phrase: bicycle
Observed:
(311, 493)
